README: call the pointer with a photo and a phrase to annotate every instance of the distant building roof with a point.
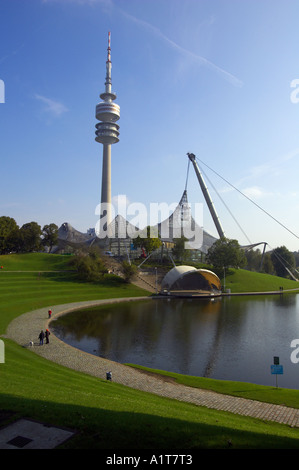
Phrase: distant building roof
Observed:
(122, 230)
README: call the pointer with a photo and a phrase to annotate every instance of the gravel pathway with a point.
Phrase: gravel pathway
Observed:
(27, 327)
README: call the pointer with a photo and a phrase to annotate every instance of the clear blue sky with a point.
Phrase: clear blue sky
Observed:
(208, 77)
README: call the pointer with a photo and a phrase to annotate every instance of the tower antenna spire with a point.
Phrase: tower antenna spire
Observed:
(108, 82)
(109, 47)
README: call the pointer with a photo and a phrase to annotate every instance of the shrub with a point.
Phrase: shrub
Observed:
(89, 266)
(129, 270)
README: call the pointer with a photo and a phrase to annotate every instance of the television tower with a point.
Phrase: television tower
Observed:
(107, 134)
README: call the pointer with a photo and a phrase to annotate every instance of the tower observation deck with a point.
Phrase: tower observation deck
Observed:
(107, 133)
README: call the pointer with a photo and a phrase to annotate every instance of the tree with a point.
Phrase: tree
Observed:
(50, 235)
(30, 234)
(225, 253)
(253, 258)
(179, 251)
(268, 267)
(89, 266)
(7, 227)
(281, 258)
(14, 241)
(129, 270)
(296, 256)
(148, 242)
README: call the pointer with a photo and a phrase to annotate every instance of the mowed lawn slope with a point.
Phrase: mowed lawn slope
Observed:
(106, 415)
(32, 281)
(240, 280)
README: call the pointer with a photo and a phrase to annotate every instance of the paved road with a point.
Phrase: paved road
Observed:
(26, 328)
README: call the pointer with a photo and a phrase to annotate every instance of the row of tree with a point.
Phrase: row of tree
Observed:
(223, 253)
(27, 238)
(228, 253)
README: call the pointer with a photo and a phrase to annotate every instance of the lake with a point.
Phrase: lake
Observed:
(230, 338)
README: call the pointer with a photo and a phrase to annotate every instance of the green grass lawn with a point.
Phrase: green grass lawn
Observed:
(107, 415)
(240, 280)
(262, 393)
(111, 416)
(35, 280)
(34, 262)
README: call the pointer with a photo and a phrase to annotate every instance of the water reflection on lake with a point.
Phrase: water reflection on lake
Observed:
(232, 338)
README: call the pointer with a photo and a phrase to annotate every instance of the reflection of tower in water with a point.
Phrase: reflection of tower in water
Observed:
(213, 353)
(207, 317)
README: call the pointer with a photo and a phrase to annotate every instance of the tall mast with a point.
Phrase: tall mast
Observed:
(207, 196)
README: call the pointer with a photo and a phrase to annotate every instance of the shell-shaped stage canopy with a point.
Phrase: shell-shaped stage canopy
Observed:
(188, 278)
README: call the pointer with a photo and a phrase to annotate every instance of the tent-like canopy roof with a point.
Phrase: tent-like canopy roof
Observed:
(190, 278)
(174, 274)
(182, 224)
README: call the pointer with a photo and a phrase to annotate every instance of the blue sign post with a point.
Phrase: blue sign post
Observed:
(277, 370)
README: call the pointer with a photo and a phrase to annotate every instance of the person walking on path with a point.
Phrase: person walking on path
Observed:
(41, 338)
(47, 334)
(109, 376)
(49, 313)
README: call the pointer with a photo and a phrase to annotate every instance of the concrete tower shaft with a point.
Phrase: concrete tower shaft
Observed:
(107, 133)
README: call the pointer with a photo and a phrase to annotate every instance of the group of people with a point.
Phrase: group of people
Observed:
(44, 335)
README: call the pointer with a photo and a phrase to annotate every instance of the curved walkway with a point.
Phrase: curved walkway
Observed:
(27, 327)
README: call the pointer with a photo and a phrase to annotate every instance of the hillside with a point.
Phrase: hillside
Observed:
(37, 280)
(240, 280)
(237, 280)
(34, 262)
